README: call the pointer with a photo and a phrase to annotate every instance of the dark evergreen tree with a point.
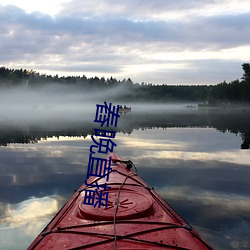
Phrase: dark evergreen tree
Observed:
(246, 69)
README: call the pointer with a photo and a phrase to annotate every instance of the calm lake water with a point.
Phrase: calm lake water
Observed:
(197, 160)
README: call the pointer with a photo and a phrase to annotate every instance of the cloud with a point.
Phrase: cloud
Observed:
(115, 30)
(115, 38)
(141, 9)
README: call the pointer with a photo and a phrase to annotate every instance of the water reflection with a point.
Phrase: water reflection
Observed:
(193, 160)
(20, 222)
(31, 131)
(202, 175)
(29, 210)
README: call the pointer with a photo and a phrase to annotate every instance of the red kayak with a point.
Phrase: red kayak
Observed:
(135, 217)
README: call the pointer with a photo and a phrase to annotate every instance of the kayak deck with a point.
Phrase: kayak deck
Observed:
(135, 218)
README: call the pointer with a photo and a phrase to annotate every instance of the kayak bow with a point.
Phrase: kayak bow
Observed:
(136, 217)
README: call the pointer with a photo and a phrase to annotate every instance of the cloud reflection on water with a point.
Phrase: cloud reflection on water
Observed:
(22, 222)
(235, 156)
(204, 144)
(29, 210)
(226, 216)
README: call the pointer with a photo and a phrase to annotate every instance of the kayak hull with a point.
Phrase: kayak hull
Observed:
(136, 217)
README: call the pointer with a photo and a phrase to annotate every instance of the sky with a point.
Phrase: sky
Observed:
(152, 41)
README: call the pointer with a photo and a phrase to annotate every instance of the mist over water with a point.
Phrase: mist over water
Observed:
(61, 102)
(44, 103)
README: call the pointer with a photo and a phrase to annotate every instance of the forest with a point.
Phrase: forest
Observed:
(224, 93)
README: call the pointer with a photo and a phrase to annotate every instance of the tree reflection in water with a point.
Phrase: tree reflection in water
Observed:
(233, 121)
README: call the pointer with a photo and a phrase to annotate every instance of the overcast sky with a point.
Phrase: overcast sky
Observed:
(154, 41)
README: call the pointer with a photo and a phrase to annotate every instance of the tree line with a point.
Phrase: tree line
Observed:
(236, 91)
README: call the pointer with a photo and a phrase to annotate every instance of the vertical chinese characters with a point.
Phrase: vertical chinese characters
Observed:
(98, 167)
